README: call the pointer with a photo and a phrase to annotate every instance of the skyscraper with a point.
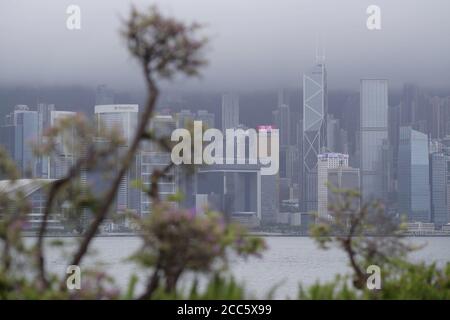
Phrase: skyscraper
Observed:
(44, 111)
(409, 105)
(438, 183)
(437, 115)
(282, 121)
(413, 175)
(153, 157)
(374, 135)
(269, 198)
(230, 111)
(124, 119)
(282, 117)
(44, 114)
(315, 109)
(393, 133)
(65, 156)
(333, 169)
(17, 137)
(288, 161)
(336, 135)
(282, 98)
(7, 143)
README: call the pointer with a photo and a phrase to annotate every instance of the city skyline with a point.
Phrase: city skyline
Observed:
(377, 117)
(363, 125)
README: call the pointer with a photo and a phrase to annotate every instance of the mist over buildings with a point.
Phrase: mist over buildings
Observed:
(254, 44)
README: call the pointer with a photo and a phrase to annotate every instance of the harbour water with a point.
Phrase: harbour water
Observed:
(286, 263)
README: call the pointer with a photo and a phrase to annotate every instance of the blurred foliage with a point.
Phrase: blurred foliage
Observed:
(177, 242)
(368, 236)
(401, 281)
(218, 287)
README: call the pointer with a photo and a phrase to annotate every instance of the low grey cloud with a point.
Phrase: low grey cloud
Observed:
(254, 44)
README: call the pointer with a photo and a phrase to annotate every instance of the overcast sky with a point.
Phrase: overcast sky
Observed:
(255, 44)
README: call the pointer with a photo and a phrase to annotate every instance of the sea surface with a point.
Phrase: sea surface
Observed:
(286, 263)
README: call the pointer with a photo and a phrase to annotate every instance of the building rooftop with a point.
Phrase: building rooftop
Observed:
(108, 108)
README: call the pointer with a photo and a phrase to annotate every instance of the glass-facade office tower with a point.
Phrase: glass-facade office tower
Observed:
(17, 137)
(230, 111)
(413, 175)
(314, 133)
(438, 183)
(374, 135)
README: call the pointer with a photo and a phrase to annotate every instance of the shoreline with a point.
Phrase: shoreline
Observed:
(260, 234)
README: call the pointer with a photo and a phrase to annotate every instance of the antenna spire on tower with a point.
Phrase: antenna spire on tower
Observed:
(320, 51)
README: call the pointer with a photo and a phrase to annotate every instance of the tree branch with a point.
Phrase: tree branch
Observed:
(110, 196)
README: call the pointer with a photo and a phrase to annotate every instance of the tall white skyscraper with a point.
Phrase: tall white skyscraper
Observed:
(374, 134)
(230, 111)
